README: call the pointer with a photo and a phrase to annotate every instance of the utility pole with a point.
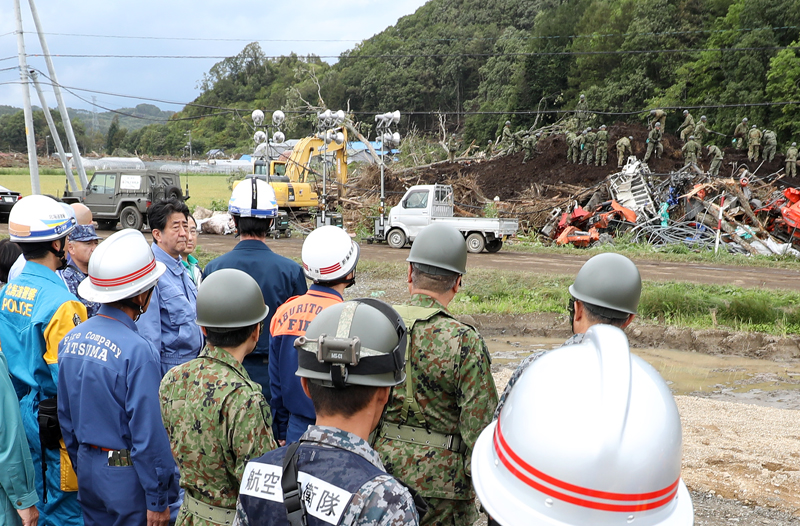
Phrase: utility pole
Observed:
(33, 163)
(384, 133)
(73, 144)
(54, 131)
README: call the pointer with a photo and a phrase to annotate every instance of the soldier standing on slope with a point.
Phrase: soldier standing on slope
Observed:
(449, 395)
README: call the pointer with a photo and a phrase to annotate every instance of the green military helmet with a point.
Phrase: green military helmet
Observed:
(691, 136)
(358, 342)
(744, 120)
(229, 299)
(703, 118)
(508, 123)
(753, 126)
(685, 112)
(610, 281)
(440, 250)
(794, 144)
(603, 127)
(630, 137)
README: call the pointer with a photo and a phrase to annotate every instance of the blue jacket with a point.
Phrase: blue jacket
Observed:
(108, 398)
(169, 323)
(290, 321)
(280, 278)
(17, 488)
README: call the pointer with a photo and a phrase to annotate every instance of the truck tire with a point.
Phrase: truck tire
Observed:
(494, 245)
(130, 217)
(475, 243)
(174, 191)
(106, 224)
(396, 238)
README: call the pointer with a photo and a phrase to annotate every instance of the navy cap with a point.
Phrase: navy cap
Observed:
(84, 233)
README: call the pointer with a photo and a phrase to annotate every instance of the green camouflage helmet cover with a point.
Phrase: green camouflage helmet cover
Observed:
(439, 249)
(229, 299)
(358, 342)
(610, 281)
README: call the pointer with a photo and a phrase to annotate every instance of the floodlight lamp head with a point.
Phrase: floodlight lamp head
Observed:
(338, 117)
(278, 117)
(259, 137)
(396, 139)
(278, 137)
(395, 116)
(338, 137)
(386, 138)
(258, 117)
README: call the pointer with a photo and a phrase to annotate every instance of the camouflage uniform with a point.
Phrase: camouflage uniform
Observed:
(582, 112)
(572, 150)
(573, 340)
(601, 151)
(654, 142)
(587, 147)
(687, 127)
(624, 151)
(690, 151)
(739, 134)
(508, 138)
(701, 132)
(791, 161)
(658, 116)
(716, 161)
(753, 144)
(449, 370)
(217, 420)
(382, 500)
(770, 145)
(72, 277)
(528, 144)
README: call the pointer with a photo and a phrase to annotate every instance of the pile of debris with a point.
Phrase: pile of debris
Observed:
(743, 214)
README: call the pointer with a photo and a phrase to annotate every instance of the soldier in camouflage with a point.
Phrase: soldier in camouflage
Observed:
(740, 133)
(587, 146)
(571, 149)
(582, 111)
(687, 128)
(701, 131)
(657, 116)
(606, 290)
(770, 145)
(691, 150)
(654, 142)
(716, 159)
(624, 150)
(529, 145)
(601, 151)
(216, 417)
(791, 160)
(753, 143)
(449, 395)
(332, 475)
(507, 138)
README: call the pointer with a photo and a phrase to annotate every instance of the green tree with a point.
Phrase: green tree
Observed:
(783, 84)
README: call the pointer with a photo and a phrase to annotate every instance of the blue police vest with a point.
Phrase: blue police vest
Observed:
(328, 484)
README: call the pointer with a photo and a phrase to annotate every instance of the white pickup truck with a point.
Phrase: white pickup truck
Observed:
(426, 204)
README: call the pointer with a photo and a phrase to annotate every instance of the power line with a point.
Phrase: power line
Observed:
(451, 39)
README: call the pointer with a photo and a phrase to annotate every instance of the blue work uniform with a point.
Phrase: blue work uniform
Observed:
(292, 410)
(17, 481)
(108, 401)
(73, 276)
(280, 278)
(169, 323)
(36, 312)
(342, 482)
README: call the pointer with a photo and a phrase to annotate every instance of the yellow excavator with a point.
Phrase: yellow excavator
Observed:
(295, 178)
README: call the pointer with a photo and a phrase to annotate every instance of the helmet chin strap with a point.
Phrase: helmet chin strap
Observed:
(60, 253)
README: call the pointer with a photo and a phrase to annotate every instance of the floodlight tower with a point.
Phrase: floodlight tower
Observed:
(327, 123)
(262, 140)
(384, 123)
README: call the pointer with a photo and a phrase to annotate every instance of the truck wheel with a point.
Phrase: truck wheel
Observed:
(396, 238)
(494, 245)
(131, 218)
(174, 191)
(475, 242)
(288, 233)
(107, 224)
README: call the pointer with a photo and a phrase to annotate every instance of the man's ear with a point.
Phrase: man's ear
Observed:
(304, 383)
(408, 280)
(156, 235)
(628, 321)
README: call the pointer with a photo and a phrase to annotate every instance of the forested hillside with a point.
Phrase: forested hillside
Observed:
(480, 63)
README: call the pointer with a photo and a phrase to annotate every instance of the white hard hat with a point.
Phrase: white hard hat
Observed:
(589, 435)
(38, 218)
(253, 198)
(121, 267)
(329, 254)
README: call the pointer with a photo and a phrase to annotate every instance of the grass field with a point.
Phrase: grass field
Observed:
(203, 189)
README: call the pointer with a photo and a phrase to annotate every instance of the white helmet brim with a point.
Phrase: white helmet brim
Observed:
(101, 292)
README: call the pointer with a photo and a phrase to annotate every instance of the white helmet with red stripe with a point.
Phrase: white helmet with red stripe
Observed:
(121, 267)
(590, 434)
(329, 254)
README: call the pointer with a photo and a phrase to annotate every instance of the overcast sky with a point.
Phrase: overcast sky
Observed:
(313, 26)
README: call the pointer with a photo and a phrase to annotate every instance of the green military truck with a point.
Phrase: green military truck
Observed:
(123, 196)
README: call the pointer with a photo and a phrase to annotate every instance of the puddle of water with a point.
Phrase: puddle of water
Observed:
(685, 372)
